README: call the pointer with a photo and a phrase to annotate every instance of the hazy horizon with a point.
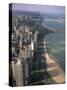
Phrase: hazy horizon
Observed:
(38, 8)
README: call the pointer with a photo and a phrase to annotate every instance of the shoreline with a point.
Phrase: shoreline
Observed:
(54, 70)
(56, 59)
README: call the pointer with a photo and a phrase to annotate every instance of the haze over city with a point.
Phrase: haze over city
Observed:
(39, 8)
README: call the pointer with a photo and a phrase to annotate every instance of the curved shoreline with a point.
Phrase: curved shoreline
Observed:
(54, 70)
(56, 59)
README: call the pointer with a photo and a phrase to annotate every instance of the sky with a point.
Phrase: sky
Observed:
(39, 8)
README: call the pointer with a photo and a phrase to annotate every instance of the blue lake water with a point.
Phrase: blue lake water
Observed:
(56, 41)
